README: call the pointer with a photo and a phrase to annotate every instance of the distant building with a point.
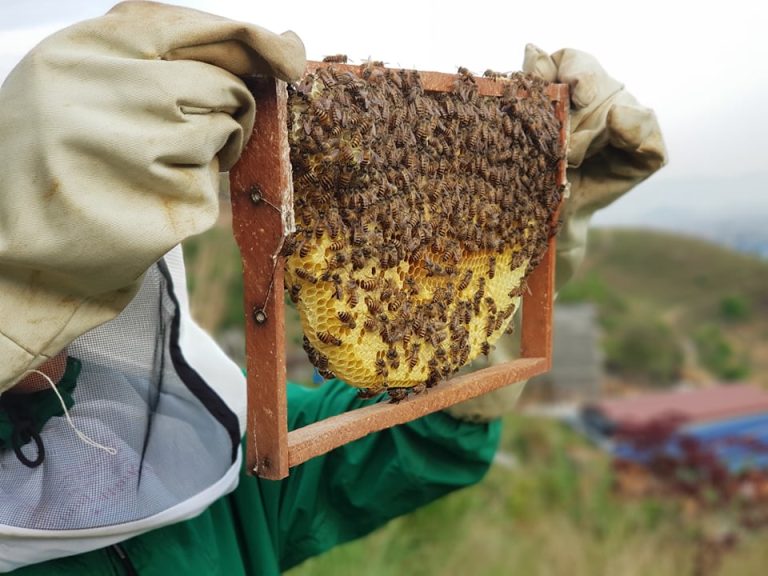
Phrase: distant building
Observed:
(577, 357)
(710, 430)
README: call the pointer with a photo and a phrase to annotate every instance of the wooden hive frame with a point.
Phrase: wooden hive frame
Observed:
(262, 200)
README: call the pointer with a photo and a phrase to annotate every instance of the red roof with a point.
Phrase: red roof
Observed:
(687, 406)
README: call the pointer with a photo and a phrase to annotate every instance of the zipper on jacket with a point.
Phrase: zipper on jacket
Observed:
(119, 552)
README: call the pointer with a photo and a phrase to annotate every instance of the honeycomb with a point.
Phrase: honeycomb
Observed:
(419, 215)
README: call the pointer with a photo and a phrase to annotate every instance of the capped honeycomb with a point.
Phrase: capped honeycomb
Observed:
(419, 215)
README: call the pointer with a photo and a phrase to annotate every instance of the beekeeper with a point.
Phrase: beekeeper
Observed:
(114, 132)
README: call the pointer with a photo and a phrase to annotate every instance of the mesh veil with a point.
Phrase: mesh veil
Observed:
(140, 393)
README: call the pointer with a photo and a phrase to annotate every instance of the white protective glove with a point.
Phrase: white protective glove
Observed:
(614, 144)
(113, 134)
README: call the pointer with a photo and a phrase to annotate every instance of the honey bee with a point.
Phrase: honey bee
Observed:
(423, 130)
(506, 125)
(328, 338)
(304, 274)
(419, 328)
(397, 395)
(345, 178)
(338, 293)
(333, 227)
(466, 279)
(345, 155)
(491, 266)
(339, 259)
(490, 326)
(358, 260)
(381, 368)
(353, 298)
(413, 357)
(367, 284)
(365, 158)
(373, 305)
(327, 182)
(346, 318)
(418, 388)
(289, 245)
(336, 245)
(305, 249)
(357, 237)
(336, 58)
(369, 324)
(294, 292)
(321, 362)
(320, 114)
(395, 78)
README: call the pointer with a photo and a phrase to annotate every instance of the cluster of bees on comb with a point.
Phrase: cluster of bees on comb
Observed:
(418, 216)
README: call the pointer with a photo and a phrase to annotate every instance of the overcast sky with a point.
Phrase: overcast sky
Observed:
(703, 66)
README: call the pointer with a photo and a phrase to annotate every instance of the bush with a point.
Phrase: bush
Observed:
(735, 309)
(645, 349)
(718, 356)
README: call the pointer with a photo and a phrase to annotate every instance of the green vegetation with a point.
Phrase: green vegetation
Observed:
(735, 308)
(658, 292)
(717, 354)
(644, 348)
(554, 513)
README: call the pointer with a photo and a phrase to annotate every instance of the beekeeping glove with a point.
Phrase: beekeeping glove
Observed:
(114, 132)
(614, 144)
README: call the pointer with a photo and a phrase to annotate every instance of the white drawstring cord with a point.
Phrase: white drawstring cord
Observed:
(81, 435)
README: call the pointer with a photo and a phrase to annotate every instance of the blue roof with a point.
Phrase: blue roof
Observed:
(738, 443)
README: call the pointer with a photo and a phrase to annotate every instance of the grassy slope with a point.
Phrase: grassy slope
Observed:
(553, 515)
(676, 272)
(681, 281)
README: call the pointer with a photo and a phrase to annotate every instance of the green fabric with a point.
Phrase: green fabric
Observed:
(268, 526)
(36, 408)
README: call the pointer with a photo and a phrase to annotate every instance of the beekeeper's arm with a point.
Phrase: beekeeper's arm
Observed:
(614, 144)
(114, 132)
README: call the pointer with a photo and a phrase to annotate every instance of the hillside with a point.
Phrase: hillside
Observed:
(701, 297)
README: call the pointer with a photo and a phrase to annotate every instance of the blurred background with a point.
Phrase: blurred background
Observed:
(645, 450)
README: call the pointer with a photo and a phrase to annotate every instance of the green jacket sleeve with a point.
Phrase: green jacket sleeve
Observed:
(265, 527)
(354, 489)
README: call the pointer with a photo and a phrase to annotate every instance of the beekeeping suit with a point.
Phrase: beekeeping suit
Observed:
(114, 134)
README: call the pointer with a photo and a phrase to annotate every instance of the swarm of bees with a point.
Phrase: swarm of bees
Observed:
(418, 215)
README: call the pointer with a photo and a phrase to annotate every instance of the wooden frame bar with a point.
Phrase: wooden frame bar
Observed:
(262, 200)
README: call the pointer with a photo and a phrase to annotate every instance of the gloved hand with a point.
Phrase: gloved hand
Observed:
(614, 144)
(114, 132)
